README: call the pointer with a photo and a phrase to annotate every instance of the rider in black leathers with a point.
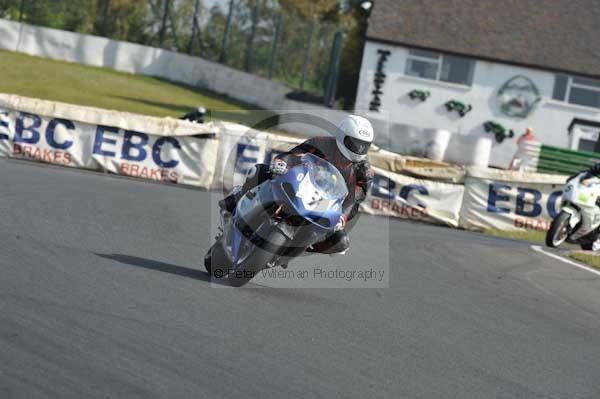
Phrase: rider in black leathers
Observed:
(347, 152)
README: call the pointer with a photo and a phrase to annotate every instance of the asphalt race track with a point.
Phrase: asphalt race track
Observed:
(102, 294)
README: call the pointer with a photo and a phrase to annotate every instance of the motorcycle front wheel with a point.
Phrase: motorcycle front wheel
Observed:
(258, 259)
(559, 230)
(215, 260)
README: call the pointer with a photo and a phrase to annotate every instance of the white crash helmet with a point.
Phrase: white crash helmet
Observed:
(354, 137)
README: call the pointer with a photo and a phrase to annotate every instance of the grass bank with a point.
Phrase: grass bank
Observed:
(588, 258)
(104, 88)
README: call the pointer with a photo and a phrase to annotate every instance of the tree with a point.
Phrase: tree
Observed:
(310, 9)
(9, 9)
(43, 12)
(78, 15)
(352, 56)
(211, 33)
(122, 19)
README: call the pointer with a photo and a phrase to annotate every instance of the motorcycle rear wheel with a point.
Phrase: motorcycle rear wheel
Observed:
(559, 230)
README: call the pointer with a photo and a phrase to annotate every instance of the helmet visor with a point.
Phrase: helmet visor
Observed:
(357, 146)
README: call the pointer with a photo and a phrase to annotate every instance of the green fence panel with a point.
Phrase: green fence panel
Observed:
(563, 161)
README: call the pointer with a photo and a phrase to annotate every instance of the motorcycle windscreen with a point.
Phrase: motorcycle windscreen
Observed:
(315, 189)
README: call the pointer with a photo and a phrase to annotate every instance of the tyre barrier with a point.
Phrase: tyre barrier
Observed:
(216, 156)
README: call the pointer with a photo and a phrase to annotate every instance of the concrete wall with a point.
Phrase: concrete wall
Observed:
(550, 119)
(134, 58)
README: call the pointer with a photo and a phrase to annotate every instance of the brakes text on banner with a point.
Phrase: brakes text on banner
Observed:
(494, 202)
(52, 140)
(182, 159)
(406, 197)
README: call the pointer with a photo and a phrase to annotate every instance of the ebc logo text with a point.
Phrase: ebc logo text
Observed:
(388, 189)
(30, 130)
(528, 201)
(135, 146)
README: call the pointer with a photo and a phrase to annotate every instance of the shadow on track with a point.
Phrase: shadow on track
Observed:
(159, 266)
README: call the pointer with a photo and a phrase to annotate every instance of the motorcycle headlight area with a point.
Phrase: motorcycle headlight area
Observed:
(313, 199)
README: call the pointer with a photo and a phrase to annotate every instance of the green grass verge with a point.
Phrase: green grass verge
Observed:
(534, 236)
(589, 259)
(104, 88)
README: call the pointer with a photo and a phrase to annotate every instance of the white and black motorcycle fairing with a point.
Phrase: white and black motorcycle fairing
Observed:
(579, 217)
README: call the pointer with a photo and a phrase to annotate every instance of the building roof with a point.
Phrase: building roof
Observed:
(559, 35)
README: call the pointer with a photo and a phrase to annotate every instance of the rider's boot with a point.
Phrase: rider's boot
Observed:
(592, 246)
(336, 244)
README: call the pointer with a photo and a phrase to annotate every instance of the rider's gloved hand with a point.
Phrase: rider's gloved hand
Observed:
(342, 223)
(277, 167)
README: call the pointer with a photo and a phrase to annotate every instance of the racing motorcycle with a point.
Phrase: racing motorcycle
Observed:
(278, 220)
(579, 217)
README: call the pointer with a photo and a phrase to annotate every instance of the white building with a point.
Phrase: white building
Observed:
(516, 64)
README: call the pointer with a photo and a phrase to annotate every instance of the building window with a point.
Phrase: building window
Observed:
(579, 91)
(436, 66)
(584, 135)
